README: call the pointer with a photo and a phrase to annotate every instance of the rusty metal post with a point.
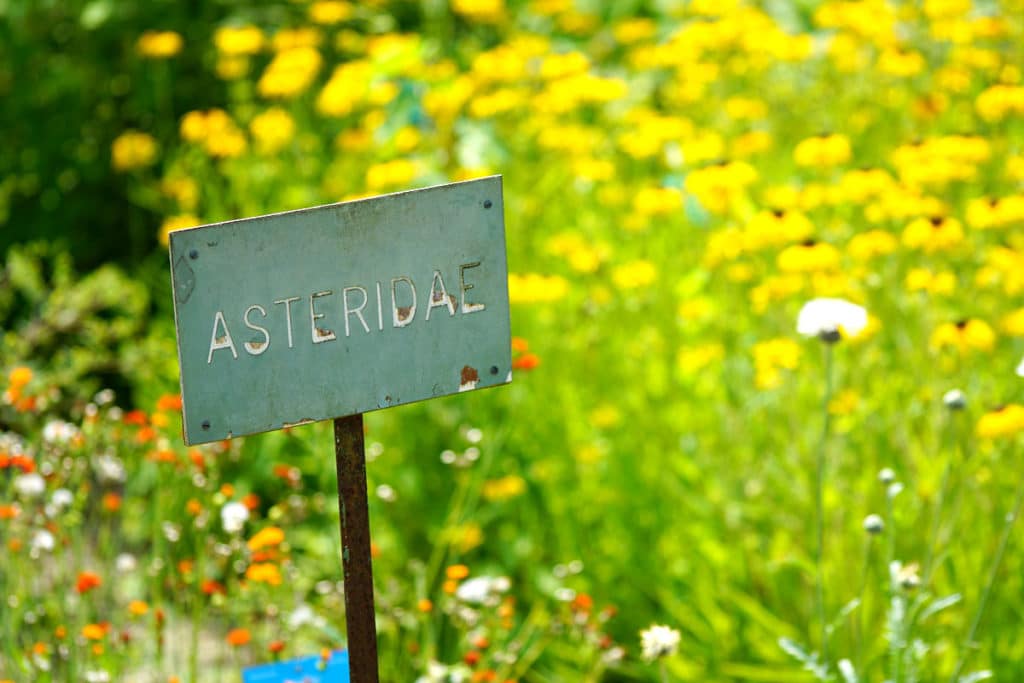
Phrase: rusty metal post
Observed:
(350, 455)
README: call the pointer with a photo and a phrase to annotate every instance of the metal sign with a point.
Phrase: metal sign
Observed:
(340, 309)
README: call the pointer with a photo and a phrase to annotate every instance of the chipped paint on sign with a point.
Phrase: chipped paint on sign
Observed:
(340, 309)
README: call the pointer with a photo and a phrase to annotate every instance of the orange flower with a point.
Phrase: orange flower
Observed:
(520, 345)
(227, 490)
(196, 456)
(111, 502)
(19, 377)
(424, 605)
(251, 501)
(264, 572)
(87, 581)
(238, 637)
(269, 536)
(169, 402)
(193, 507)
(457, 572)
(210, 587)
(145, 435)
(138, 608)
(164, 455)
(9, 511)
(276, 646)
(93, 632)
(185, 566)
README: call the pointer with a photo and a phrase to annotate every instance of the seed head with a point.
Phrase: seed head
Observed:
(873, 524)
(954, 399)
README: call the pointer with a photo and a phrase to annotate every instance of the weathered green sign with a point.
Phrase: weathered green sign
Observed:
(340, 309)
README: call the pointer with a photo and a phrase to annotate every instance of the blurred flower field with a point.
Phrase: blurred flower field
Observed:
(682, 483)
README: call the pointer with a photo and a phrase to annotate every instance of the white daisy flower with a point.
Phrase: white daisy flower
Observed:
(659, 641)
(233, 517)
(831, 318)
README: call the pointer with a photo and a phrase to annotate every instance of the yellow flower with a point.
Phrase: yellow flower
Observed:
(172, 223)
(1004, 421)
(290, 72)
(138, 608)
(272, 130)
(291, 38)
(808, 257)
(776, 228)
(634, 274)
(924, 280)
(751, 143)
(264, 572)
(657, 201)
(504, 488)
(391, 174)
(771, 357)
(871, 244)
(215, 130)
(534, 288)
(237, 41)
(993, 212)
(999, 101)
(347, 87)
(964, 335)
(844, 403)
(330, 11)
(720, 187)
(185, 191)
(933, 234)
(159, 44)
(133, 149)
(900, 62)
(634, 30)
(484, 11)
(691, 361)
(1013, 323)
(823, 151)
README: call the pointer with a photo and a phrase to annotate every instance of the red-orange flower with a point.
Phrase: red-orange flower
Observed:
(276, 646)
(111, 502)
(136, 417)
(87, 581)
(527, 361)
(9, 511)
(209, 587)
(238, 636)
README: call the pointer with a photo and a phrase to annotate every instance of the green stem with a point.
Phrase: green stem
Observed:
(968, 643)
(940, 501)
(819, 492)
(860, 617)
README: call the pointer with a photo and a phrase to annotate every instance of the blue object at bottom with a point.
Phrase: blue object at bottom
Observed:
(314, 669)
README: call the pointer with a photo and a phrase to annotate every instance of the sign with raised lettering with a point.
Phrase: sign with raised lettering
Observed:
(340, 309)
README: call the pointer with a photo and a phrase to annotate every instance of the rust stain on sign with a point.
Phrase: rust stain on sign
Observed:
(468, 378)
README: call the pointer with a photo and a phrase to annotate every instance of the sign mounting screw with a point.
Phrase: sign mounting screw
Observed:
(487, 204)
(193, 254)
(206, 424)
